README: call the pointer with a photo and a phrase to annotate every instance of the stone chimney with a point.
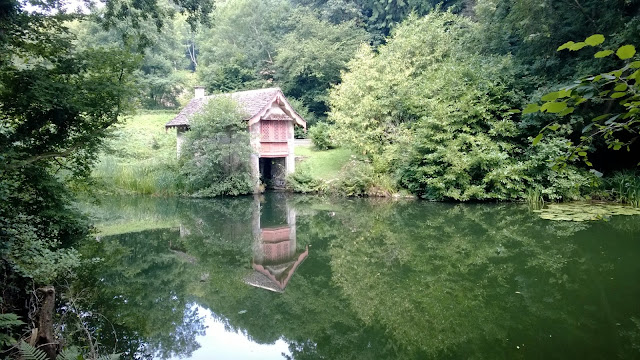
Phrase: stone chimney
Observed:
(199, 92)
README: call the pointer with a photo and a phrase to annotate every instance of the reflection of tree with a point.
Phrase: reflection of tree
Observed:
(383, 280)
(463, 279)
(140, 287)
(310, 315)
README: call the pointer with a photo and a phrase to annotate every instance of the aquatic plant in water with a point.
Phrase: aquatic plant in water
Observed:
(584, 211)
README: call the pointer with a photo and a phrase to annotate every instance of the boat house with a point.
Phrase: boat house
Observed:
(270, 119)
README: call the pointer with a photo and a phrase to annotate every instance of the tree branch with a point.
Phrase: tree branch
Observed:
(584, 12)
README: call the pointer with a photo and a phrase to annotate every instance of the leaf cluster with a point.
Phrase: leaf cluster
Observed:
(616, 92)
(217, 151)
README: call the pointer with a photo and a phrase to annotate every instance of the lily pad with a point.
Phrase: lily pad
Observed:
(584, 211)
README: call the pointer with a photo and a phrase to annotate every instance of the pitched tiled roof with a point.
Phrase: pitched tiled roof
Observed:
(251, 101)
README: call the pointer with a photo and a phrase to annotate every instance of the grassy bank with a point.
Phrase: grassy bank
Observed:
(323, 165)
(140, 157)
(337, 172)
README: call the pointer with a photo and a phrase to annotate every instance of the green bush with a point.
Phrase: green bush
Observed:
(429, 110)
(217, 151)
(624, 187)
(320, 136)
(356, 180)
(570, 183)
(301, 181)
(433, 112)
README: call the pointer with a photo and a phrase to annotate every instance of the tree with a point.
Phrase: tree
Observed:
(58, 101)
(532, 30)
(617, 92)
(217, 151)
(238, 51)
(162, 72)
(428, 110)
(379, 17)
(273, 43)
(310, 58)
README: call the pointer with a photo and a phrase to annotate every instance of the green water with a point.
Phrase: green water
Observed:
(312, 278)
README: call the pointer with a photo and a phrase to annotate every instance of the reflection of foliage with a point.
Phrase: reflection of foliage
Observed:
(461, 277)
(118, 215)
(310, 315)
(139, 285)
(383, 279)
(632, 336)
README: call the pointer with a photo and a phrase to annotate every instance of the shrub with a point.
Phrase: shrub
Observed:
(434, 113)
(301, 181)
(357, 179)
(624, 186)
(569, 183)
(429, 110)
(320, 136)
(217, 151)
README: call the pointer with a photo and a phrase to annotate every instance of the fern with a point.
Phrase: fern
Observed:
(7, 321)
(70, 353)
(29, 352)
(110, 357)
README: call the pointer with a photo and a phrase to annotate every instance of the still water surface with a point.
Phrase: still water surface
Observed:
(310, 278)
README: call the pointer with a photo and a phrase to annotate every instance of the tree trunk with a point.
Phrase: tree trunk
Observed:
(46, 340)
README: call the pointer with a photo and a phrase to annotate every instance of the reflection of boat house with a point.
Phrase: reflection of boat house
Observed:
(270, 119)
(275, 253)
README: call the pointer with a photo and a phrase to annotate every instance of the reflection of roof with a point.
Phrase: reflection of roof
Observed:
(275, 277)
(273, 235)
(252, 102)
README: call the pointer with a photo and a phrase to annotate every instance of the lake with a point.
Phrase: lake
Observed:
(303, 277)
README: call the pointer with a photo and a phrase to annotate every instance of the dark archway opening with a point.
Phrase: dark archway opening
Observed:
(272, 172)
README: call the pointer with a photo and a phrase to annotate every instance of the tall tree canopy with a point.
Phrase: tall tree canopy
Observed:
(58, 101)
(430, 110)
(255, 44)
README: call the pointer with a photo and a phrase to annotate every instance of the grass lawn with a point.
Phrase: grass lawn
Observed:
(140, 156)
(143, 137)
(325, 164)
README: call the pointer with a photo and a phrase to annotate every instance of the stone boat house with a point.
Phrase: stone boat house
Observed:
(271, 120)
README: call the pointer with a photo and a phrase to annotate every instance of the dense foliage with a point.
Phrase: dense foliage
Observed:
(320, 136)
(217, 151)
(164, 69)
(272, 42)
(432, 111)
(616, 92)
(59, 98)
